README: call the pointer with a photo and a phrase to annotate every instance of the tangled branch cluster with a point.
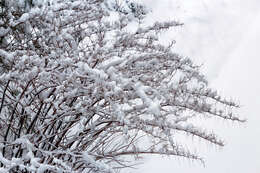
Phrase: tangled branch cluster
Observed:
(79, 91)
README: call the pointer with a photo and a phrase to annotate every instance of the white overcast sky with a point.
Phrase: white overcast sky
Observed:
(224, 36)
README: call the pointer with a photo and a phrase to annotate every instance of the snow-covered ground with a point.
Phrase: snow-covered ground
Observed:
(224, 36)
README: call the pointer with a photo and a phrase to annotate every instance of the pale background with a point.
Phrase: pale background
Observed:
(224, 36)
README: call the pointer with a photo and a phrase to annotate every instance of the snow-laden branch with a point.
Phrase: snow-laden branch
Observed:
(83, 92)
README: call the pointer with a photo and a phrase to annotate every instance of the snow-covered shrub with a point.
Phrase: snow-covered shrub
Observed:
(80, 91)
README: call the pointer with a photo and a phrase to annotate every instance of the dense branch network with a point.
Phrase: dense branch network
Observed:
(80, 91)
